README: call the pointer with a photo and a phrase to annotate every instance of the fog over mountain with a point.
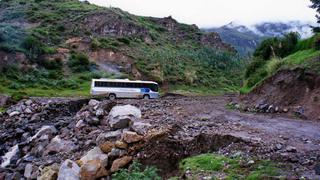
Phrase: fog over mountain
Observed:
(245, 38)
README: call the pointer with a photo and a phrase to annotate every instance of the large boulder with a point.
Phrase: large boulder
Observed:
(58, 145)
(92, 170)
(69, 170)
(120, 117)
(94, 154)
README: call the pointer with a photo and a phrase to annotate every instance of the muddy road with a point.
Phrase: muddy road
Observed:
(294, 142)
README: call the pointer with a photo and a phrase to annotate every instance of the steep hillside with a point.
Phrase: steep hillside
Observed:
(63, 43)
(247, 38)
(290, 84)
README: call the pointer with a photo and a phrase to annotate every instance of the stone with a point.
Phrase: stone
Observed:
(285, 110)
(28, 171)
(115, 153)
(93, 102)
(94, 154)
(69, 170)
(28, 102)
(4, 99)
(28, 111)
(119, 163)
(45, 130)
(131, 137)
(291, 149)
(49, 173)
(278, 146)
(317, 169)
(92, 170)
(120, 117)
(109, 136)
(11, 156)
(14, 113)
(140, 127)
(99, 112)
(58, 145)
(106, 147)
(121, 145)
(80, 124)
(93, 121)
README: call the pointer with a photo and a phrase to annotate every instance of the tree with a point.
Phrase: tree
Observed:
(316, 5)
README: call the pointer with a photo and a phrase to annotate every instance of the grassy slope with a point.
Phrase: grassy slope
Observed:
(305, 57)
(186, 63)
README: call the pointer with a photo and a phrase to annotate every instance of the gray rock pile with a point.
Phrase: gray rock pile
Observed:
(68, 139)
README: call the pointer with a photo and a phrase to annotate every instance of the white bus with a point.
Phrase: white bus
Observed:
(124, 88)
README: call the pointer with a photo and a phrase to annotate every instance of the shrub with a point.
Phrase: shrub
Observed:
(253, 66)
(33, 47)
(55, 64)
(79, 62)
(316, 43)
(135, 172)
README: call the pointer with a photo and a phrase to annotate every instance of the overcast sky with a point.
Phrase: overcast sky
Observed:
(212, 13)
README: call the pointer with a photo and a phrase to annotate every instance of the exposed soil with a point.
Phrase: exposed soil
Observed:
(296, 90)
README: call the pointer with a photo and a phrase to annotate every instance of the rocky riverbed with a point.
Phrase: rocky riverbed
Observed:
(57, 138)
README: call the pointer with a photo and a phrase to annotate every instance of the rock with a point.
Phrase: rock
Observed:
(109, 136)
(80, 124)
(49, 173)
(69, 170)
(11, 156)
(131, 137)
(121, 145)
(58, 145)
(317, 169)
(106, 147)
(4, 99)
(28, 111)
(121, 116)
(45, 130)
(119, 163)
(93, 102)
(94, 121)
(115, 153)
(92, 170)
(99, 112)
(291, 149)
(278, 146)
(140, 127)
(28, 102)
(285, 110)
(95, 154)
(28, 171)
(14, 113)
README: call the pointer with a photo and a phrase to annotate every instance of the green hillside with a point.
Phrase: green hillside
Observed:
(54, 48)
(305, 54)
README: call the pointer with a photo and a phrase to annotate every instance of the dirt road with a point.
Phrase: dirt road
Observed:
(292, 141)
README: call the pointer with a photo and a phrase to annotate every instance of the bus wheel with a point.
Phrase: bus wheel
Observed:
(112, 97)
(146, 97)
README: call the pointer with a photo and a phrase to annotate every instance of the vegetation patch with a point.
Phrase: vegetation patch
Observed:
(218, 166)
(136, 172)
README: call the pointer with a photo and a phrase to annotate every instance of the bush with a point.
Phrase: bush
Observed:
(55, 64)
(135, 172)
(33, 47)
(253, 66)
(79, 62)
(316, 43)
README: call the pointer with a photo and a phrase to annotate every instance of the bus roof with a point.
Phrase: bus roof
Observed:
(124, 80)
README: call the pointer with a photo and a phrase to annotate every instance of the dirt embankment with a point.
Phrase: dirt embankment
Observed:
(296, 92)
